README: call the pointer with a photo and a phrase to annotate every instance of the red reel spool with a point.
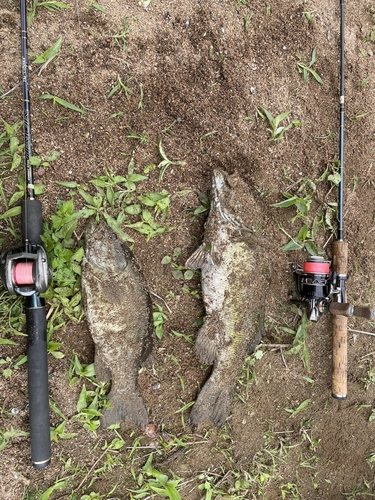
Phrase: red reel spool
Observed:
(23, 273)
(314, 267)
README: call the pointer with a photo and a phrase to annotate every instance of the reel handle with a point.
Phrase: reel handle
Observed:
(40, 440)
(340, 325)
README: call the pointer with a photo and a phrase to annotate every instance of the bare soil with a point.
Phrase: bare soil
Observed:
(201, 69)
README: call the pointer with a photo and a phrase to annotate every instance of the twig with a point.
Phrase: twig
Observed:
(361, 331)
(277, 346)
(39, 70)
(282, 357)
(326, 243)
(93, 467)
(367, 355)
(161, 298)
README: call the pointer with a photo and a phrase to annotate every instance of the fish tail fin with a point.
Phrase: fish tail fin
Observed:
(128, 408)
(213, 404)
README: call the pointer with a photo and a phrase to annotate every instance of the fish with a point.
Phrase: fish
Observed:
(118, 310)
(234, 281)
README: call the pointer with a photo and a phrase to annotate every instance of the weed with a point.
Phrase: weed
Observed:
(305, 70)
(182, 411)
(364, 82)
(165, 163)
(240, 3)
(94, 5)
(7, 435)
(301, 407)
(178, 272)
(120, 86)
(267, 9)
(159, 318)
(204, 206)
(50, 5)
(309, 16)
(142, 138)
(121, 37)
(9, 364)
(299, 345)
(248, 374)
(370, 379)
(11, 149)
(277, 132)
(63, 103)
(151, 481)
(188, 338)
(116, 201)
(204, 136)
(246, 22)
(50, 53)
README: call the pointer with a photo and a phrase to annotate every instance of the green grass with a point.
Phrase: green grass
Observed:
(277, 131)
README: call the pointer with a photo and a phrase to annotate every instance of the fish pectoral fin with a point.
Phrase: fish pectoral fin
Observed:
(198, 258)
(205, 344)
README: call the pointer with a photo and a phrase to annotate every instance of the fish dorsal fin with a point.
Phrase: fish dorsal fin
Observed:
(199, 257)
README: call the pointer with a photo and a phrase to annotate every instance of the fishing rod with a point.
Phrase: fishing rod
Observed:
(340, 251)
(320, 284)
(24, 271)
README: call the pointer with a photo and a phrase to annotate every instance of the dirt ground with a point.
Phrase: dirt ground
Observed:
(198, 71)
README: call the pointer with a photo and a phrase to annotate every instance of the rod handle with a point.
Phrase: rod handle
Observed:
(40, 440)
(339, 356)
(340, 257)
(32, 221)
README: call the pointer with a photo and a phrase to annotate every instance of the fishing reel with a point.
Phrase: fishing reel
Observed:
(25, 271)
(315, 285)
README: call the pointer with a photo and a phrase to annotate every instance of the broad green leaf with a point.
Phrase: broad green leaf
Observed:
(68, 184)
(286, 203)
(311, 248)
(280, 118)
(7, 342)
(49, 53)
(12, 212)
(292, 245)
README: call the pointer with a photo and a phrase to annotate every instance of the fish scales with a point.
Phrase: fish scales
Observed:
(234, 282)
(119, 314)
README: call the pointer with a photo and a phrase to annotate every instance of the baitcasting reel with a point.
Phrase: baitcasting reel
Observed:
(25, 272)
(315, 284)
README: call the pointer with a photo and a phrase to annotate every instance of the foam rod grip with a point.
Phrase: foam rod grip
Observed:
(339, 356)
(38, 386)
(32, 221)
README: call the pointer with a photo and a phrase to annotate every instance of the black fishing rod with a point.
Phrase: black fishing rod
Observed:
(322, 285)
(340, 250)
(24, 271)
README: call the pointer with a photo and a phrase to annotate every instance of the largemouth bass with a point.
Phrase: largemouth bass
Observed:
(119, 314)
(234, 284)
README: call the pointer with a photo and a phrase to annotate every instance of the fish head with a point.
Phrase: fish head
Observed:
(229, 194)
(103, 248)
